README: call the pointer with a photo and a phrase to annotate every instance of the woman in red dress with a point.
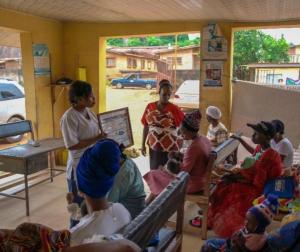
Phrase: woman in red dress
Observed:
(230, 201)
(161, 120)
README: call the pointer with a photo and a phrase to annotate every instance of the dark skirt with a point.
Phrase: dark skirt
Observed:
(157, 158)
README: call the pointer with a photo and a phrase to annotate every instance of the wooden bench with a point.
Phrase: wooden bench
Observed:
(217, 156)
(23, 162)
(155, 216)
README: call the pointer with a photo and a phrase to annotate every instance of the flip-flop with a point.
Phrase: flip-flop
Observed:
(196, 222)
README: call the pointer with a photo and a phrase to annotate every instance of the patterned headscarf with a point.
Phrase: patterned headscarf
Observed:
(192, 120)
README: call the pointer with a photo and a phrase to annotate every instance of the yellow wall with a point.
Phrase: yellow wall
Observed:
(81, 48)
(38, 99)
(74, 45)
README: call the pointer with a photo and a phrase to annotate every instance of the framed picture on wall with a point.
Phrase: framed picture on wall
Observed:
(213, 71)
(116, 124)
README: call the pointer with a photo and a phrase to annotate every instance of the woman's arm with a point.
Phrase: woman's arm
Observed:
(87, 142)
(247, 146)
(145, 135)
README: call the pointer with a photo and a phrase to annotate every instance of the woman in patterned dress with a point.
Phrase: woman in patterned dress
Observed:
(161, 120)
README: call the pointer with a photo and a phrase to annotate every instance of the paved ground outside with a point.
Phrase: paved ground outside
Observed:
(136, 100)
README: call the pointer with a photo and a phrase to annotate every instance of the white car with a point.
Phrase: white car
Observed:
(188, 94)
(12, 104)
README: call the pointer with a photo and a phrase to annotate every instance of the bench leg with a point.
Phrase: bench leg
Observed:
(52, 164)
(26, 194)
(204, 222)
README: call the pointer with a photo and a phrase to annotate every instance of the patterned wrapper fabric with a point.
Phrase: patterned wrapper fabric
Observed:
(29, 237)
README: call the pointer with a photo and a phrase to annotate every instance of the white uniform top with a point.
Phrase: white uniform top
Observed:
(104, 222)
(75, 127)
(285, 148)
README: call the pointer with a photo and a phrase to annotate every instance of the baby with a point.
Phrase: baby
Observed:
(159, 179)
(76, 212)
(253, 236)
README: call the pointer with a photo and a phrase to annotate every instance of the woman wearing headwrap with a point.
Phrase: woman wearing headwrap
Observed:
(161, 120)
(196, 157)
(217, 132)
(231, 199)
(95, 176)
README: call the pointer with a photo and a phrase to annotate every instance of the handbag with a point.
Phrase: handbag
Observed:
(283, 187)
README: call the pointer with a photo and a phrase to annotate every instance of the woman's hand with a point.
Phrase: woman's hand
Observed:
(144, 150)
(236, 170)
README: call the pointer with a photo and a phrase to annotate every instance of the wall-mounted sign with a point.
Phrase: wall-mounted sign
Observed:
(41, 59)
(214, 46)
(213, 73)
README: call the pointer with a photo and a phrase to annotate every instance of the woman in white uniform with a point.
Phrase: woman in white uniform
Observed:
(80, 130)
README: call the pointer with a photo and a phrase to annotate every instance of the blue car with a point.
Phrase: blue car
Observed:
(133, 80)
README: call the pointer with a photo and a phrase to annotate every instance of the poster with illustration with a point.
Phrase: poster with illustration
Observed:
(116, 124)
(214, 44)
(213, 73)
(41, 59)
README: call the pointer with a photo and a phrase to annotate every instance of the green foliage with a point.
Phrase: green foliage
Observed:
(134, 42)
(182, 40)
(116, 42)
(254, 46)
(152, 41)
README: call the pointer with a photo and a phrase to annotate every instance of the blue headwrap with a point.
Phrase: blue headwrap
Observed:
(265, 212)
(97, 168)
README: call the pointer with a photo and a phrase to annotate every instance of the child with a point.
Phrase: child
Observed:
(159, 179)
(253, 236)
(76, 212)
(217, 132)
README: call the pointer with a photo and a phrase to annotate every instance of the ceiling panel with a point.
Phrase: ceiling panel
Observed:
(158, 10)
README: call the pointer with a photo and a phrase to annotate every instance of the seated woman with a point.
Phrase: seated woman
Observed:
(95, 176)
(230, 201)
(282, 145)
(253, 236)
(128, 188)
(196, 157)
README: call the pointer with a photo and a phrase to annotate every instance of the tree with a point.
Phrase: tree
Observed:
(116, 42)
(152, 41)
(134, 42)
(254, 46)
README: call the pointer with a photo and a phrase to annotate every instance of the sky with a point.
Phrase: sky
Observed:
(292, 35)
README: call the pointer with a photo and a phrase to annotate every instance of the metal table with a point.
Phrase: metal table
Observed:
(26, 159)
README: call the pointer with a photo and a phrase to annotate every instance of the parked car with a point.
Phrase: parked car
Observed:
(133, 80)
(188, 94)
(12, 104)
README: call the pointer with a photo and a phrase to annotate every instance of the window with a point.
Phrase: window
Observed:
(131, 63)
(149, 64)
(155, 65)
(274, 78)
(2, 65)
(9, 91)
(134, 64)
(142, 64)
(110, 62)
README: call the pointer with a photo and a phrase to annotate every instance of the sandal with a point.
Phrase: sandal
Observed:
(196, 222)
